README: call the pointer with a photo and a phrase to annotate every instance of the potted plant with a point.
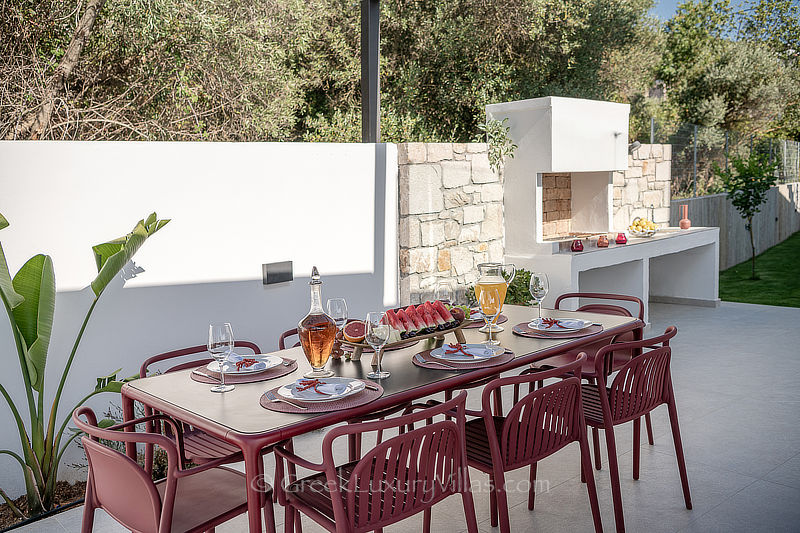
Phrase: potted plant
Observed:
(29, 300)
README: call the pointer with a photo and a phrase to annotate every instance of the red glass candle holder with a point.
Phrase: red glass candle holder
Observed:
(602, 241)
(621, 238)
(577, 246)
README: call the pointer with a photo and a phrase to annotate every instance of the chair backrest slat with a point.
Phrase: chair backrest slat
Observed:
(640, 385)
(404, 474)
(541, 423)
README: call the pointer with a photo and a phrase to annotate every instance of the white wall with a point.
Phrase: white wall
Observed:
(233, 207)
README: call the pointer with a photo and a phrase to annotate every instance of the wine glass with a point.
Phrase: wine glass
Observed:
(337, 310)
(491, 304)
(444, 291)
(220, 344)
(377, 335)
(538, 287)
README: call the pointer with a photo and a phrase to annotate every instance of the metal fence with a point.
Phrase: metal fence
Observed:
(696, 150)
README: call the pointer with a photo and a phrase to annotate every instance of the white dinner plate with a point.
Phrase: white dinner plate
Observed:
(352, 386)
(477, 352)
(270, 360)
(561, 325)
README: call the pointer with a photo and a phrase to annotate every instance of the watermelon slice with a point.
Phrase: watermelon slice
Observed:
(419, 323)
(431, 312)
(396, 324)
(408, 324)
(423, 313)
(444, 313)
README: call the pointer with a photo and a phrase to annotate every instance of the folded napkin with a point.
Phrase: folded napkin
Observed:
(233, 358)
(320, 386)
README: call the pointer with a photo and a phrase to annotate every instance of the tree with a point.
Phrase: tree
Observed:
(747, 184)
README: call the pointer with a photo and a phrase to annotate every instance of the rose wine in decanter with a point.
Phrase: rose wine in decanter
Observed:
(317, 331)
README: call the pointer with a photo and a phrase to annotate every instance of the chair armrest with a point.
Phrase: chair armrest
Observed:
(283, 453)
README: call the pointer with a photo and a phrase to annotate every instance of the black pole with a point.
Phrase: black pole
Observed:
(370, 80)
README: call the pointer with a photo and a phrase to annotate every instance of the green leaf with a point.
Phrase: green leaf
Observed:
(6, 288)
(36, 282)
(110, 383)
(113, 255)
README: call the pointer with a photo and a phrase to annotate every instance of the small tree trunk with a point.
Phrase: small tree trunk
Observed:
(33, 124)
(752, 248)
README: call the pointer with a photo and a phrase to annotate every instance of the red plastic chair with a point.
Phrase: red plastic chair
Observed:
(187, 500)
(640, 386)
(538, 425)
(399, 478)
(198, 447)
(621, 356)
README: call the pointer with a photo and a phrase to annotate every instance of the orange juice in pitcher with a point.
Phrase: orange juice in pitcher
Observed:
(495, 276)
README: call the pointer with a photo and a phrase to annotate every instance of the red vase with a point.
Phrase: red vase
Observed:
(621, 238)
(685, 223)
(577, 246)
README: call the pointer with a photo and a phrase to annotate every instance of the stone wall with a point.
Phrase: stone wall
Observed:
(646, 183)
(556, 204)
(450, 215)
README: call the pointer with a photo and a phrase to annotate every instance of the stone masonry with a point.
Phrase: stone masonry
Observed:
(556, 204)
(645, 184)
(451, 215)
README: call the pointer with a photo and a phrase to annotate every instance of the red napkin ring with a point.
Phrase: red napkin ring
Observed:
(306, 384)
(550, 322)
(246, 363)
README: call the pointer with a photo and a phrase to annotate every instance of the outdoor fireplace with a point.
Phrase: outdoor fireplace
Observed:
(559, 187)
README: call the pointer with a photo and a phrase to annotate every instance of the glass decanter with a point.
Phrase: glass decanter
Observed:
(317, 332)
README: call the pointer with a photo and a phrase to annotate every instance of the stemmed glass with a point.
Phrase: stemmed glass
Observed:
(337, 310)
(491, 304)
(538, 287)
(376, 337)
(444, 292)
(220, 344)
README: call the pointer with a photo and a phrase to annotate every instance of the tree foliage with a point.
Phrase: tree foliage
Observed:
(234, 70)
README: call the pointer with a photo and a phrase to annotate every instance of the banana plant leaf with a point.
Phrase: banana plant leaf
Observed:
(36, 282)
(111, 383)
(113, 255)
(11, 297)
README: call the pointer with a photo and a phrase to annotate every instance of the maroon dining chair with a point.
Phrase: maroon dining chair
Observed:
(399, 478)
(641, 385)
(539, 424)
(621, 356)
(285, 335)
(198, 447)
(188, 500)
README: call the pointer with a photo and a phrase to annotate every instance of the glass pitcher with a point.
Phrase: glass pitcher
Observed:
(497, 276)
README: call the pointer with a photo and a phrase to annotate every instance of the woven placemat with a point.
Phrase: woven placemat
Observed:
(481, 322)
(524, 330)
(365, 396)
(437, 364)
(270, 373)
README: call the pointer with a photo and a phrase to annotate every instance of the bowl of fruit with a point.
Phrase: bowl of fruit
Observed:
(642, 227)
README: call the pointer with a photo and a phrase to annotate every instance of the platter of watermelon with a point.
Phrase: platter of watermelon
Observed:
(409, 325)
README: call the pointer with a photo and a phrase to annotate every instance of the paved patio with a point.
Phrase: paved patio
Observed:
(736, 371)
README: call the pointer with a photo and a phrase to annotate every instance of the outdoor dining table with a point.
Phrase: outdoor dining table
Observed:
(238, 418)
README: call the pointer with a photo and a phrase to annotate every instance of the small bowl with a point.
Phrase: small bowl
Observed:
(640, 234)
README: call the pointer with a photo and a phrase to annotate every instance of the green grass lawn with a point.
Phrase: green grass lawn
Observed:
(779, 271)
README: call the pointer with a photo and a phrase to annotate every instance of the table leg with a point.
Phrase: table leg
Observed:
(127, 415)
(439, 342)
(254, 477)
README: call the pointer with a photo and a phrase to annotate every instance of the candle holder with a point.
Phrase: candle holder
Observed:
(576, 246)
(602, 241)
(621, 238)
